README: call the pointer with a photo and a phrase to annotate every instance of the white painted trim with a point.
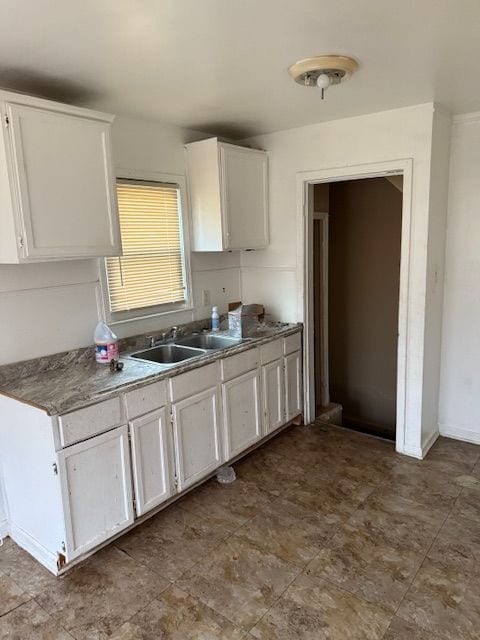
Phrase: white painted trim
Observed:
(4, 529)
(474, 116)
(103, 303)
(324, 219)
(421, 452)
(403, 166)
(91, 284)
(429, 442)
(25, 541)
(268, 268)
(466, 435)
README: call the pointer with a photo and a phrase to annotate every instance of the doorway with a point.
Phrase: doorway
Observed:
(357, 228)
(408, 407)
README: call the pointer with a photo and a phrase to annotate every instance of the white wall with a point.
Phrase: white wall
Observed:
(460, 372)
(51, 307)
(3, 512)
(270, 276)
(437, 222)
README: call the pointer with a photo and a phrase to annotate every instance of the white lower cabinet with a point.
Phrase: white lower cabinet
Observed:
(198, 442)
(273, 384)
(96, 490)
(152, 460)
(241, 413)
(293, 385)
(68, 479)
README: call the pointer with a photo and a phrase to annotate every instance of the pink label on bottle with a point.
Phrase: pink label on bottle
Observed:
(106, 352)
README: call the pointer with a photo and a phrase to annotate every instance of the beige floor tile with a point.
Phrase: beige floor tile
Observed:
(398, 520)
(444, 601)
(227, 506)
(239, 581)
(458, 544)
(401, 630)
(451, 457)
(270, 472)
(367, 516)
(31, 622)
(334, 498)
(27, 573)
(172, 541)
(450, 449)
(423, 485)
(312, 609)
(11, 596)
(178, 616)
(97, 597)
(371, 569)
(468, 504)
(287, 530)
(377, 552)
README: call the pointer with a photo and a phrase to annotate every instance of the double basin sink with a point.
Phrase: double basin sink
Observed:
(185, 349)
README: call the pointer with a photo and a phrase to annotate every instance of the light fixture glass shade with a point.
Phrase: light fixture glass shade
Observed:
(323, 81)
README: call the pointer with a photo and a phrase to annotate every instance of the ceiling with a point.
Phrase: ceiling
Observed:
(220, 66)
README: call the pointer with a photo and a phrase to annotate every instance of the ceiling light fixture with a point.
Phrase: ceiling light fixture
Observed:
(323, 71)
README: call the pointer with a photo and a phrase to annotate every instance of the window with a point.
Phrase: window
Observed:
(150, 276)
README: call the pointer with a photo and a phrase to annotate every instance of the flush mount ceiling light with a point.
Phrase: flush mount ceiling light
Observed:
(323, 71)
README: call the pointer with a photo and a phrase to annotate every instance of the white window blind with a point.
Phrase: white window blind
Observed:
(151, 270)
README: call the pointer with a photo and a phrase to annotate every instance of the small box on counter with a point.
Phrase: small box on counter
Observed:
(243, 321)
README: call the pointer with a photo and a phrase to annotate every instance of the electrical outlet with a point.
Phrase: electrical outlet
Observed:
(205, 297)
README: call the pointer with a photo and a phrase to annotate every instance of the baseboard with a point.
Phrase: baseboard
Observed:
(429, 442)
(460, 434)
(420, 452)
(24, 540)
(4, 532)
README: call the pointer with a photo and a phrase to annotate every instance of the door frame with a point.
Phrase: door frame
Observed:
(305, 182)
(323, 219)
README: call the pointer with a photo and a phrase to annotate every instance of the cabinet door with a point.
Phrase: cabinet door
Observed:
(196, 429)
(273, 395)
(241, 413)
(152, 460)
(244, 197)
(66, 199)
(96, 490)
(293, 385)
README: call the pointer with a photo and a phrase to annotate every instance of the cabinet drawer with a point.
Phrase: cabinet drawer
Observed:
(85, 423)
(192, 382)
(293, 343)
(146, 399)
(271, 351)
(241, 363)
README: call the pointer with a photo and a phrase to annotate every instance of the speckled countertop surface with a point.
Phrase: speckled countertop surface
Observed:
(65, 382)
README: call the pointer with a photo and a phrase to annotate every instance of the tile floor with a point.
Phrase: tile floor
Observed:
(326, 534)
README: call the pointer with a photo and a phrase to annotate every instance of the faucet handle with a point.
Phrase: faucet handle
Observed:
(150, 340)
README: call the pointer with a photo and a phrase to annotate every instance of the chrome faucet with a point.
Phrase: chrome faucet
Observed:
(174, 333)
(152, 342)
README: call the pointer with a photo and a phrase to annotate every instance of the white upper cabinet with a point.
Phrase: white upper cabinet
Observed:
(228, 188)
(57, 185)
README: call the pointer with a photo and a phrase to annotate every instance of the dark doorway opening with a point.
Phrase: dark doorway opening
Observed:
(356, 262)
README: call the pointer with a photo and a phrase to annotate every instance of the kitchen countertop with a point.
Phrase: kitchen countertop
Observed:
(64, 382)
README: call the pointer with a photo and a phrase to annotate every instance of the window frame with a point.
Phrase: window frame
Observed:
(119, 317)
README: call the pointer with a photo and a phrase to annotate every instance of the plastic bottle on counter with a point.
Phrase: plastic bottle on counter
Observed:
(106, 344)
(215, 319)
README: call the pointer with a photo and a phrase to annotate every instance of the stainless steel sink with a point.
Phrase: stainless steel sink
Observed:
(168, 354)
(209, 342)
